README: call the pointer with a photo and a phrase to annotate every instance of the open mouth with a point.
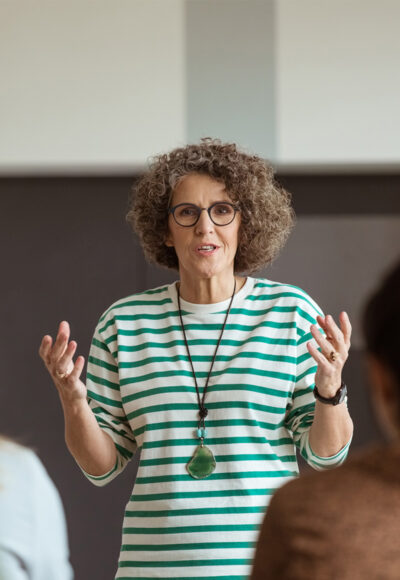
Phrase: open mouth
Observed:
(206, 248)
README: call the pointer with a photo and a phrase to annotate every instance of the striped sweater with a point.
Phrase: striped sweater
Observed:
(260, 404)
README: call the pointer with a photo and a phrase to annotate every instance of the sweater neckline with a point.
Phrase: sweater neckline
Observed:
(194, 308)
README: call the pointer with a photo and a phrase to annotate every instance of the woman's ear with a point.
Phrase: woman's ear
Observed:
(168, 241)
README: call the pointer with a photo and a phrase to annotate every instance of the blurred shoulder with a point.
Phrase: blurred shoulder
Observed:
(20, 462)
(12, 452)
(285, 293)
(140, 302)
(359, 475)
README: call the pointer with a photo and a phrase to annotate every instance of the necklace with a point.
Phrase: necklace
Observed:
(203, 461)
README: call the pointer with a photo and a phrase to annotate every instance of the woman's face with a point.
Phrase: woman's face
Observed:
(191, 243)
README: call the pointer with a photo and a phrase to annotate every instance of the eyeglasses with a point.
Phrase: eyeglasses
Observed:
(221, 213)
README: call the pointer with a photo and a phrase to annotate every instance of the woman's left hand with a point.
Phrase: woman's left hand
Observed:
(333, 354)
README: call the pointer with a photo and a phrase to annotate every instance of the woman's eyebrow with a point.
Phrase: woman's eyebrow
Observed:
(212, 203)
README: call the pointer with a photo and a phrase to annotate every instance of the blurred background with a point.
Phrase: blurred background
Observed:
(89, 90)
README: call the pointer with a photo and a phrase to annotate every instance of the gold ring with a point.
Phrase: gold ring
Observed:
(333, 355)
(61, 375)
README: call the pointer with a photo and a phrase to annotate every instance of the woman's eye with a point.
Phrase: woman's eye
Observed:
(187, 212)
(222, 209)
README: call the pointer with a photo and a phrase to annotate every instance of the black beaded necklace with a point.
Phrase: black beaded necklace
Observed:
(203, 461)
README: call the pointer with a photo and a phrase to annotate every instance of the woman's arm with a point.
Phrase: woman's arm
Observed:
(332, 426)
(331, 430)
(91, 447)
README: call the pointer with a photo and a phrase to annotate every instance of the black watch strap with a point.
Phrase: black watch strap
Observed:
(337, 398)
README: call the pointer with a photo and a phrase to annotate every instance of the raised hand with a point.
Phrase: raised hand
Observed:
(58, 359)
(333, 354)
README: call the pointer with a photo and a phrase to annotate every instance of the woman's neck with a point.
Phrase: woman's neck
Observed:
(209, 290)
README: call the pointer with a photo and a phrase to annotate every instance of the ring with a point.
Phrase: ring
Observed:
(333, 355)
(61, 375)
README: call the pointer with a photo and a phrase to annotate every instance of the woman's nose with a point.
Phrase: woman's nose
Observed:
(204, 224)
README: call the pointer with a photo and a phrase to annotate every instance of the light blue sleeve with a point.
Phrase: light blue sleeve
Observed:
(33, 535)
(11, 567)
(51, 558)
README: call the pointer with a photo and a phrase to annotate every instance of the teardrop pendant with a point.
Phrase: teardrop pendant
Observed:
(202, 463)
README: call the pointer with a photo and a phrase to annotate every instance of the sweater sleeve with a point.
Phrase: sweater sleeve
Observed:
(300, 414)
(104, 396)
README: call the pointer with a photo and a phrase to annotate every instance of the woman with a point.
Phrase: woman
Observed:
(210, 377)
(33, 535)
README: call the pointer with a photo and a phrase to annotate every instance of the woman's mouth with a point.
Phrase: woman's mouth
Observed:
(206, 249)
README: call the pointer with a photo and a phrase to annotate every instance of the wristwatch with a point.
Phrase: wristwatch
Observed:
(337, 398)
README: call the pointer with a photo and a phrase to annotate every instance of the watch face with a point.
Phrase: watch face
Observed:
(342, 393)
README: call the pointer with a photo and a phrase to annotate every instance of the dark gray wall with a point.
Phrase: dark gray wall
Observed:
(67, 254)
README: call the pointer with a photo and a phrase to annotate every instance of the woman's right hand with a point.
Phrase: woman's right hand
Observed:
(58, 360)
(92, 448)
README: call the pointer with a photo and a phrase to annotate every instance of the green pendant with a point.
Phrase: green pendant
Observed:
(202, 463)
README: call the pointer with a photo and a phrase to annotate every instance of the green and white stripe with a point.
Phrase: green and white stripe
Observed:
(260, 405)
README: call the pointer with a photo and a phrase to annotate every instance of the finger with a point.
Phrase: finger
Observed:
(346, 327)
(61, 343)
(78, 368)
(324, 325)
(45, 348)
(330, 328)
(323, 343)
(335, 336)
(322, 322)
(317, 355)
(65, 364)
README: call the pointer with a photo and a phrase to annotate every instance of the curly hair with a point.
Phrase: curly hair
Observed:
(267, 216)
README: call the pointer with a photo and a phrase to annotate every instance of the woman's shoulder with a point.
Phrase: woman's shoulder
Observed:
(139, 302)
(284, 293)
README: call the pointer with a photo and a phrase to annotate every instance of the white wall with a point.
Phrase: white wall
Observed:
(101, 85)
(90, 84)
(338, 81)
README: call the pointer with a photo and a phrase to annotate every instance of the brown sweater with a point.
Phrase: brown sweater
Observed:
(342, 524)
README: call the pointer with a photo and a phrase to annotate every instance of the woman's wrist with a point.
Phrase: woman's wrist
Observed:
(329, 391)
(74, 406)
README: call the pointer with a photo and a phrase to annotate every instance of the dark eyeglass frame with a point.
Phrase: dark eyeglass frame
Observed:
(171, 210)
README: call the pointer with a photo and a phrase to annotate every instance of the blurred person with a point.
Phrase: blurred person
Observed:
(344, 525)
(33, 535)
(211, 377)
